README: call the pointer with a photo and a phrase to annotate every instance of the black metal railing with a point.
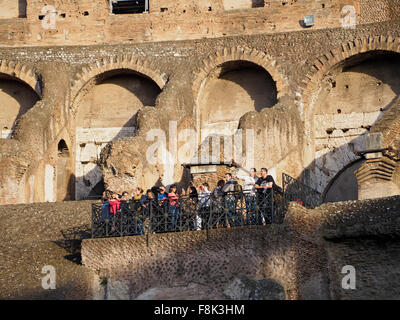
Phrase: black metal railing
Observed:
(211, 211)
(207, 212)
(295, 190)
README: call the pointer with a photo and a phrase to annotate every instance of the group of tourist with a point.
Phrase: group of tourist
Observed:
(224, 196)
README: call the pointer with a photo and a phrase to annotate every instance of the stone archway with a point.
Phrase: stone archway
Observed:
(231, 83)
(64, 176)
(344, 101)
(19, 91)
(343, 186)
(106, 111)
(233, 89)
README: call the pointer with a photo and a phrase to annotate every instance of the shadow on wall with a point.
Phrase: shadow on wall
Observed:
(16, 98)
(71, 242)
(231, 253)
(257, 3)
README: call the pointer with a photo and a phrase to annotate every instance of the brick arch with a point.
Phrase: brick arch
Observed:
(131, 63)
(22, 73)
(335, 57)
(240, 54)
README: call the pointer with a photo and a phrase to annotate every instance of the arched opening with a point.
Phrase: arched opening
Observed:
(16, 98)
(64, 174)
(62, 149)
(107, 112)
(230, 91)
(353, 96)
(344, 186)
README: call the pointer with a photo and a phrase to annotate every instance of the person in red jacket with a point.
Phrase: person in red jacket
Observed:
(114, 204)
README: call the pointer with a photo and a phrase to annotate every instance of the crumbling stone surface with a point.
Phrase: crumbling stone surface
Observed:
(373, 217)
(244, 288)
(39, 235)
(275, 252)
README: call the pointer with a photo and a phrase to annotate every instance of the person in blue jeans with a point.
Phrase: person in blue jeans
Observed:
(105, 207)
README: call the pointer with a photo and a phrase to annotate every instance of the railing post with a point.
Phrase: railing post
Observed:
(121, 221)
(93, 221)
(272, 207)
(149, 228)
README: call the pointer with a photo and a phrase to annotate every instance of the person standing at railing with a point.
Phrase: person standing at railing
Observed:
(218, 212)
(115, 203)
(204, 207)
(264, 187)
(249, 191)
(230, 189)
(173, 207)
(150, 207)
(105, 207)
(162, 195)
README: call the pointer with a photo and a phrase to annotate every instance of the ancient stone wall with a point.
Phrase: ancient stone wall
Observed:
(58, 22)
(39, 235)
(294, 135)
(306, 255)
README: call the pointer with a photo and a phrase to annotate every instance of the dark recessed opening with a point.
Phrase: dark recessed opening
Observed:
(339, 111)
(85, 13)
(62, 15)
(209, 8)
(41, 17)
(63, 149)
(323, 6)
(129, 6)
(347, 86)
(329, 131)
(163, 9)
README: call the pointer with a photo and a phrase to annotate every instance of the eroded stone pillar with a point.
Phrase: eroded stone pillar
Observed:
(375, 178)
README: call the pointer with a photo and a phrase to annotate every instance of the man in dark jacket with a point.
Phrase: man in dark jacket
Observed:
(264, 187)
(230, 199)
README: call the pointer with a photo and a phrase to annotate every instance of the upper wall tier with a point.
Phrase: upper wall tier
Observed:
(67, 22)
